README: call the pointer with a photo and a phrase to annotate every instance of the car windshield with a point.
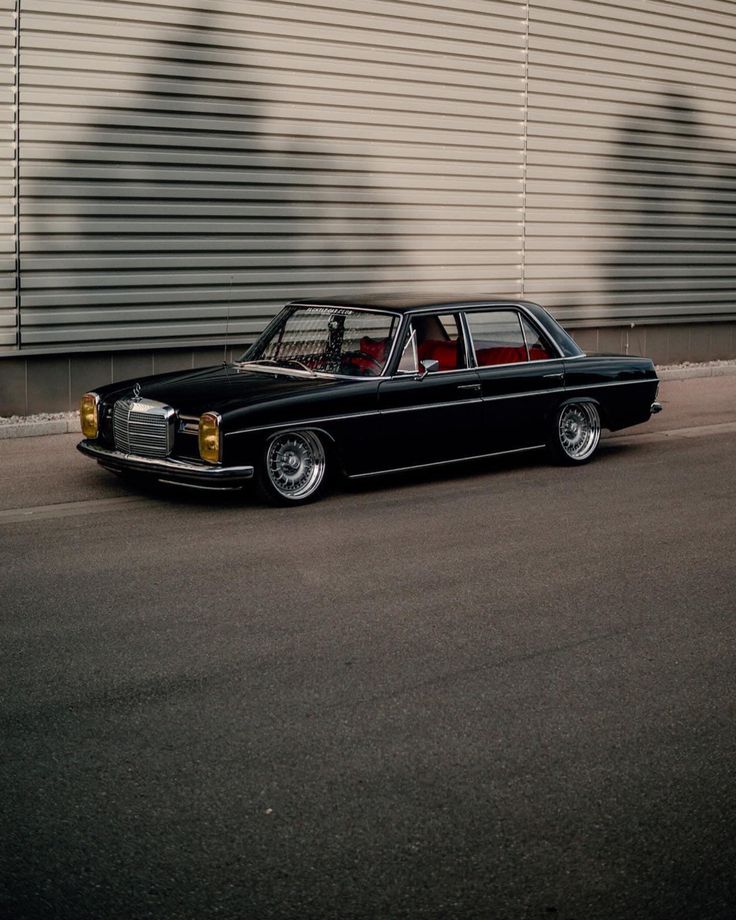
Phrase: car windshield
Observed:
(333, 340)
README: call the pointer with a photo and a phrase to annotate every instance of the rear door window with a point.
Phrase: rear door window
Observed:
(497, 337)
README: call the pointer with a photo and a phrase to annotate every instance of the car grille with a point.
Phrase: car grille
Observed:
(142, 426)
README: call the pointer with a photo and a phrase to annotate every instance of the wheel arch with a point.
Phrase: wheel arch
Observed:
(329, 441)
(569, 400)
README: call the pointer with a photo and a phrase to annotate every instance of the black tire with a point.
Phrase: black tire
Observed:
(576, 433)
(293, 468)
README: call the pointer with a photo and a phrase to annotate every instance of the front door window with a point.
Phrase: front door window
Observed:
(433, 338)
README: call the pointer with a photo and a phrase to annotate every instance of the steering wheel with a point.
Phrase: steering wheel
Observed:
(348, 355)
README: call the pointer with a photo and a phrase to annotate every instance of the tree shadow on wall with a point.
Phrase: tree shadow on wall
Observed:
(677, 254)
(182, 208)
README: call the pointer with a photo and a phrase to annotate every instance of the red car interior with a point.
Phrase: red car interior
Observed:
(442, 351)
(508, 354)
(376, 348)
(445, 352)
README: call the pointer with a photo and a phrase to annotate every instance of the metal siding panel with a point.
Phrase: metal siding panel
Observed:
(400, 75)
(8, 189)
(183, 163)
(267, 53)
(631, 161)
(186, 161)
(692, 18)
(98, 18)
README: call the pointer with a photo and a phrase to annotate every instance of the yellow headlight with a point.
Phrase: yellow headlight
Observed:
(88, 414)
(210, 441)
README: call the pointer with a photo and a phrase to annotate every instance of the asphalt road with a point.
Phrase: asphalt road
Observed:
(505, 691)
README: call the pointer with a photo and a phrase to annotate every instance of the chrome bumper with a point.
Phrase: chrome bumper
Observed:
(168, 469)
(655, 408)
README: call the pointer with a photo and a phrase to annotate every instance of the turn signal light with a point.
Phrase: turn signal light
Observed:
(210, 440)
(88, 414)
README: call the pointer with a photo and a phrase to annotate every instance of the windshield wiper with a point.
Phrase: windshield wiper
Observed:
(281, 362)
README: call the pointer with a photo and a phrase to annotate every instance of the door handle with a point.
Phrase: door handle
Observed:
(470, 386)
(559, 376)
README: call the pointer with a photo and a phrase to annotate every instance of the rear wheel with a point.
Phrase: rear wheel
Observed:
(294, 468)
(576, 433)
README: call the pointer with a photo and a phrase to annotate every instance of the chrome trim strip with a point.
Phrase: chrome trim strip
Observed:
(215, 487)
(479, 367)
(421, 466)
(442, 405)
(169, 466)
(545, 392)
(608, 383)
(300, 423)
(487, 367)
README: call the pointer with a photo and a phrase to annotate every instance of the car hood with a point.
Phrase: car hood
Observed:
(225, 388)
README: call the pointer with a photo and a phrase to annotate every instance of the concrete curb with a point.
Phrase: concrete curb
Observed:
(28, 428)
(696, 370)
(32, 427)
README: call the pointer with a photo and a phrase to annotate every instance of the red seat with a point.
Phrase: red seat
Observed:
(501, 354)
(376, 348)
(537, 353)
(442, 351)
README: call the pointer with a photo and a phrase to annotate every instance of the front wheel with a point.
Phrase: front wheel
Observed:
(576, 433)
(294, 468)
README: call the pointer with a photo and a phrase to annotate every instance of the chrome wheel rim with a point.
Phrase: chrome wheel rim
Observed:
(579, 430)
(295, 463)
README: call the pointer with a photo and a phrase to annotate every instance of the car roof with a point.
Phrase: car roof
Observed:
(407, 305)
(399, 304)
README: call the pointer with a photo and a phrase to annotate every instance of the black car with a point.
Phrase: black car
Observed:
(366, 389)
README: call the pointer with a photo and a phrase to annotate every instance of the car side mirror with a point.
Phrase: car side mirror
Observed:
(428, 366)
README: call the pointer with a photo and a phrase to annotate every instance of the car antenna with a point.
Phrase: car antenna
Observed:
(227, 320)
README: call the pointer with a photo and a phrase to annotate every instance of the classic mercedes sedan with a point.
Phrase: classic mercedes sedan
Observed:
(361, 390)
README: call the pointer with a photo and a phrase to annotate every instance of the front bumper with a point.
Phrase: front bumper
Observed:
(168, 469)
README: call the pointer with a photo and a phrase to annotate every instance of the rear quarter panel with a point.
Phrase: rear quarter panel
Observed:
(623, 387)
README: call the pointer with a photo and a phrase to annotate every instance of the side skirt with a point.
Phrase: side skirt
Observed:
(422, 466)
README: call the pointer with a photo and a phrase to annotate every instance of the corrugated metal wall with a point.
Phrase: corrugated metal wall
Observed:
(186, 161)
(631, 181)
(8, 197)
(183, 161)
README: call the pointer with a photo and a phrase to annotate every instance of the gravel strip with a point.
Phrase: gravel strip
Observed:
(23, 426)
(689, 369)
